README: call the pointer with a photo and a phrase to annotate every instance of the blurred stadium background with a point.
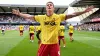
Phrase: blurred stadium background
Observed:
(87, 40)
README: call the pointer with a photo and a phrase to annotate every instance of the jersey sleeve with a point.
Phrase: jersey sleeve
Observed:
(62, 17)
(38, 18)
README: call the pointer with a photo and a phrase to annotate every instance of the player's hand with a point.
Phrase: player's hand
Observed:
(89, 8)
(14, 11)
(39, 41)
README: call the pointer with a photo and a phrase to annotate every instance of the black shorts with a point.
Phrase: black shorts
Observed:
(31, 34)
(21, 31)
(61, 37)
(70, 34)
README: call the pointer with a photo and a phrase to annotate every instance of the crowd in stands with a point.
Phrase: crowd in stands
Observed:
(17, 19)
(90, 24)
(90, 27)
(13, 19)
(95, 15)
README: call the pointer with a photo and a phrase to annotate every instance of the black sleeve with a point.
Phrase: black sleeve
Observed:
(37, 35)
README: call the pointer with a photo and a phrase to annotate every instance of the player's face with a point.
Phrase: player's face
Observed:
(49, 7)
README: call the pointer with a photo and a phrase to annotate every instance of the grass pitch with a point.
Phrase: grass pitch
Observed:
(87, 43)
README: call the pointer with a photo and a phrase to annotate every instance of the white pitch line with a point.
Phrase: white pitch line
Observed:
(87, 38)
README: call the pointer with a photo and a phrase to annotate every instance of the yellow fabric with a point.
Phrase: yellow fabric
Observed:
(21, 27)
(61, 31)
(31, 29)
(38, 28)
(50, 27)
(71, 28)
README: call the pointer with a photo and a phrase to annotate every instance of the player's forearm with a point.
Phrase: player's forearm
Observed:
(26, 16)
(78, 13)
(75, 14)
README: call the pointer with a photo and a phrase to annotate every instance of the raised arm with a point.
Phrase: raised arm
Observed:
(26, 16)
(79, 13)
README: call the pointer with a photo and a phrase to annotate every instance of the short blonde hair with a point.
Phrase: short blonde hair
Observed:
(50, 2)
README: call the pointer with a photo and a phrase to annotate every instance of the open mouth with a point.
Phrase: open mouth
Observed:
(49, 8)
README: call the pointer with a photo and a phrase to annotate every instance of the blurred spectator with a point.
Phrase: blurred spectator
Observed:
(13, 18)
(90, 27)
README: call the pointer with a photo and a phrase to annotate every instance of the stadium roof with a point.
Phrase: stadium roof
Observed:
(36, 7)
(32, 9)
(40, 9)
(82, 3)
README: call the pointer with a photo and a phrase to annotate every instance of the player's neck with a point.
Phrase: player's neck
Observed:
(49, 13)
